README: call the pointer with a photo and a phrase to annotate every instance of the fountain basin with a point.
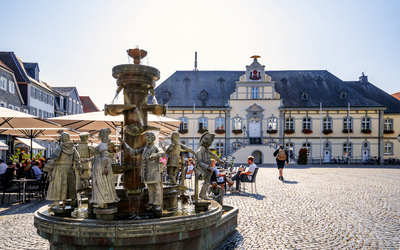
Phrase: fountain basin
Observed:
(204, 230)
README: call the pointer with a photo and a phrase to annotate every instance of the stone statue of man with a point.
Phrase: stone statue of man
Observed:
(85, 152)
(173, 151)
(61, 172)
(151, 170)
(203, 163)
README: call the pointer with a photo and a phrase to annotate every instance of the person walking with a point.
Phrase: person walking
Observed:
(281, 156)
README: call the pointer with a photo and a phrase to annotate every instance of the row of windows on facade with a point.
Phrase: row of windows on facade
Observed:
(73, 105)
(10, 86)
(327, 123)
(41, 113)
(346, 148)
(41, 96)
(14, 107)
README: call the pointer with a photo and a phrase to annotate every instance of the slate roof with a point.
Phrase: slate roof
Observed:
(65, 91)
(16, 64)
(88, 104)
(321, 86)
(4, 66)
(374, 93)
(29, 65)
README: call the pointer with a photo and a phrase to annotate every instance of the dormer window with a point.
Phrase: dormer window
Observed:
(166, 95)
(342, 95)
(304, 96)
(203, 95)
(284, 80)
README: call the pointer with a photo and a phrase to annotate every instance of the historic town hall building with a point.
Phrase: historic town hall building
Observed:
(254, 111)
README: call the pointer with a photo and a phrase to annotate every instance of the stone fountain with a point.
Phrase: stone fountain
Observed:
(134, 227)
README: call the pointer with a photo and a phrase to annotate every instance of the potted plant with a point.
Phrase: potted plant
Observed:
(306, 131)
(220, 131)
(327, 131)
(391, 131)
(272, 131)
(366, 131)
(345, 131)
(237, 131)
(203, 130)
(289, 131)
(303, 158)
(183, 131)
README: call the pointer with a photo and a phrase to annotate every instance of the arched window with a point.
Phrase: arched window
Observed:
(387, 148)
(289, 146)
(388, 124)
(237, 123)
(272, 123)
(184, 124)
(307, 123)
(220, 148)
(289, 123)
(254, 93)
(347, 149)
(220, 123)
(307, 146)
(203, 123)
(366, 123)
(327, 123)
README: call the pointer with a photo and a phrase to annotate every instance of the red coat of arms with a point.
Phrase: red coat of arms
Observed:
(255, 75)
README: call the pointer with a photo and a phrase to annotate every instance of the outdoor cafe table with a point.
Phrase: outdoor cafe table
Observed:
(24, 181)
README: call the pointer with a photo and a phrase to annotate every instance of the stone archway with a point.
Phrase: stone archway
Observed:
(258, 157)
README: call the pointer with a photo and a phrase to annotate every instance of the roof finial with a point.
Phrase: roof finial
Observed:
(255, 57)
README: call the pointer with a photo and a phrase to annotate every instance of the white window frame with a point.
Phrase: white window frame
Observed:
(327, 123)
(26, 111)
(11, 87)
(237, 123)
(346, 148)
(33, 92)
(289, 123)
(40, 114)
(184, 123)
(272, 123)
(306, 123)
(204, 123)
(220, 122)
(348, 123)
(70, 105)
(61, 102)
(365, 122)
(3, 83)
(388, 124)
(254, 93)
(220, 148)
(387, 148)
(10, 106)
(17, 108)
(3, 104)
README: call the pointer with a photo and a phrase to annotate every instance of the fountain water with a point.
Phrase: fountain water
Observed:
(133, 226)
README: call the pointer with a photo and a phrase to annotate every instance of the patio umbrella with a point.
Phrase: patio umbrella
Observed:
(94, 121)
(19, 123)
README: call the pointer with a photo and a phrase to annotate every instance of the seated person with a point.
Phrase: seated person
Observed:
(38, 172)
(3, 167)
(216, 193)
(219, 176)
(241, 175)
(189, 170)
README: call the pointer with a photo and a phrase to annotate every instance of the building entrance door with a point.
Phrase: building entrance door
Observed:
(327, 156)
(254, 127)
(365, 154)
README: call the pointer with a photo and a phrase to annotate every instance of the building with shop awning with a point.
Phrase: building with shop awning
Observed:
(27, 142)
(3, 146)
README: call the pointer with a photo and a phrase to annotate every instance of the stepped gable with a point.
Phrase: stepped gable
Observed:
(374, 93)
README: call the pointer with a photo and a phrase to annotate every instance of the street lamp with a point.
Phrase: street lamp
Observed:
(244, 132)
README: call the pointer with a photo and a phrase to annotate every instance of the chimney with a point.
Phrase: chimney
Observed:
(363, 79)
(195, 61)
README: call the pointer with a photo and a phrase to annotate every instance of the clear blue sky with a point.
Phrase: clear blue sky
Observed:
(76, 43)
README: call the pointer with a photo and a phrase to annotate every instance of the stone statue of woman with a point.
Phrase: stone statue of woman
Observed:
(103, 188)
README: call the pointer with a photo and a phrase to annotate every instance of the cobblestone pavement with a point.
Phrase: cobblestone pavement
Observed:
(319, 208)
(314, 208)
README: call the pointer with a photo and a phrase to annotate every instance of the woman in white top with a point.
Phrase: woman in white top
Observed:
(189, 169)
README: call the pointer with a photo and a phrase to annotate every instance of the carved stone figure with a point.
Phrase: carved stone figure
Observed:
(203, 163)
(61, 173)
(85, 152)
(103, 188)
(173, 151)
(151, 169)
(216, 193)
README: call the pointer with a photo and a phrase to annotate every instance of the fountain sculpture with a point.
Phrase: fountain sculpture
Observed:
(140, 217)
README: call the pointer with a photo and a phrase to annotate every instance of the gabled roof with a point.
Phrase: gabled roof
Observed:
(88, 104)
(65, 91)
(321, 86)
(374, 93)
(4, 66)
(396, 95)
(16, 64)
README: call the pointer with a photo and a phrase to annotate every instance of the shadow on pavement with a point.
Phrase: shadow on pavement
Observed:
(289, 182)
(232, 242)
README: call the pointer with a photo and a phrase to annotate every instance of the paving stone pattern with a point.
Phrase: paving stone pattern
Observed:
(314, 208)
